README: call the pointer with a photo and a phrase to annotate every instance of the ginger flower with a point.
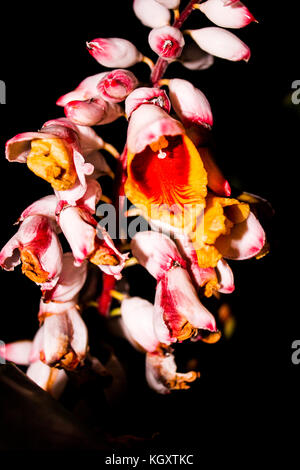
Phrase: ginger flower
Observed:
(58, 153)
(166, 176)
(37, 247)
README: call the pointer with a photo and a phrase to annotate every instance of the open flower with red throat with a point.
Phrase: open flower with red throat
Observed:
(37, 247)
(166, 176)
(137, 323)
(178, 311)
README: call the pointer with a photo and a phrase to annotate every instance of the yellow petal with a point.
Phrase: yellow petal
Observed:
(51, 160)
(31, 267)
(220, 215)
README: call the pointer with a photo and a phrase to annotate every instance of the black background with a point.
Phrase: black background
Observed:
(249, 383)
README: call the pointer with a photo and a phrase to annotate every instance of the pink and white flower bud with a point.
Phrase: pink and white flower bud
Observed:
(84, 91)
(144, 95)
(117, 85)
(137, 323)
(35, 245)
(92, 112)
(194, 58)
(114, 52)
(171, 4)
(190, 103)
(245, 240)
(225, 14)
(166, 41)
(151, 13)
(221, 43)
(162, 375)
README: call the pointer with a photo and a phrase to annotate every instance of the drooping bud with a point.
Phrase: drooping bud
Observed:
(145, 95)
(151, 13)
(190, 103)
(114, 52)
(227, 15)
(221, 43)
(117, 85)
(92, 112)
(166, 41)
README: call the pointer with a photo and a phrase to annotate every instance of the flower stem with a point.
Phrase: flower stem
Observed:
(161, 64)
